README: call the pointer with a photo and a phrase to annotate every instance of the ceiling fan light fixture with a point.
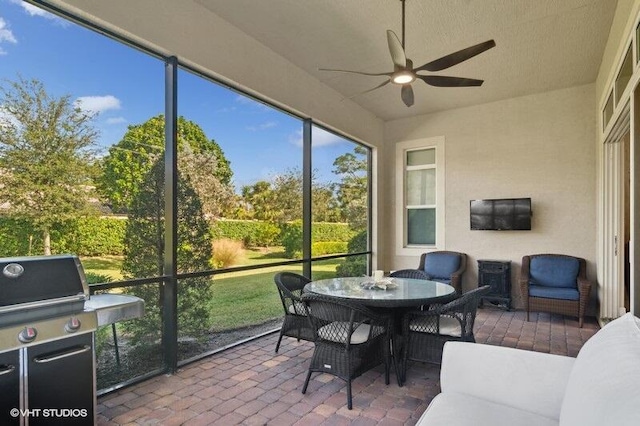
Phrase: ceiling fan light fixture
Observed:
(403, 77)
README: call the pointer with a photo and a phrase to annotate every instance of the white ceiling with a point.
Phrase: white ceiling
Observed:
(542, 45)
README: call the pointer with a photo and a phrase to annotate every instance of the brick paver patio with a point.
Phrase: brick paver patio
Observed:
(251, 385)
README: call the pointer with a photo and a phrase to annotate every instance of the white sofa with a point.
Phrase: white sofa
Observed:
(484, 385)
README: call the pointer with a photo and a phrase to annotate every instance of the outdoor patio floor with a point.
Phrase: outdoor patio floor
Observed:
(251, 385)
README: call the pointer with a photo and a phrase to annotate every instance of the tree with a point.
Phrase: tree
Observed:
(258, 200)
(218, 198)
(45, 155)
(280, 200)
(352, 189)
(132, 157)
(144, 256)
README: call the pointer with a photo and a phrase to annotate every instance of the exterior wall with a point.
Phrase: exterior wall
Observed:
(539, 146)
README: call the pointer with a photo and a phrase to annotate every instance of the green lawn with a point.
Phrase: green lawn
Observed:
(240, 298)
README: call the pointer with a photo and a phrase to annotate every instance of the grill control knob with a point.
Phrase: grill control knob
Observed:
(72, 325)
(28, 335)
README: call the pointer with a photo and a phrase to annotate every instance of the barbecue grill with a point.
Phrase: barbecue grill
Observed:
(47, 359)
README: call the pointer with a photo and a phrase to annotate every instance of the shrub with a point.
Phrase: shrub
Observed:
(292, 239)
(328, 247)
(93, 278)
(357, 265)
(352, 267)
(358, 243)
(226, 252)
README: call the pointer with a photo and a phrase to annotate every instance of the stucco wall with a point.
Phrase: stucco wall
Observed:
(540, 146)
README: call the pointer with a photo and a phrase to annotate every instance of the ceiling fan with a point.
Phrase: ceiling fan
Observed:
(404, 73)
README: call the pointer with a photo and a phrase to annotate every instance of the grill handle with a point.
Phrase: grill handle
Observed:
(60, 355)
(6, 369)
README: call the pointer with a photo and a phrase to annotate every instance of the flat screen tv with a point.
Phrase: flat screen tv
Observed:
(507, 214)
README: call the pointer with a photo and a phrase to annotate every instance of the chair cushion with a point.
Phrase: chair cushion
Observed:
(448, 326)
(337, 332)
(603, 385)
(299, 307)
(562, 293)
(554, 271)
(456, 409)
(441, 265)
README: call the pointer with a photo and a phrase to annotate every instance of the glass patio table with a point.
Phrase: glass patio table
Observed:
(404, 294)
(407, 292)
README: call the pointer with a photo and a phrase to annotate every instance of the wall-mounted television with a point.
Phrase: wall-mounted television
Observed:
(506, 214)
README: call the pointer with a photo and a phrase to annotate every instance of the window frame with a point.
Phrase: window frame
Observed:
(437, 143)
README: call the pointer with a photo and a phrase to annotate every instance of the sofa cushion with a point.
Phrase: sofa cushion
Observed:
(441, 265)
(456, 409)
(554, 271)
(603, 385)
(563, 293)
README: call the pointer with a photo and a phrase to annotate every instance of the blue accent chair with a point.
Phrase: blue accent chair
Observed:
(445, 267)
(555, 283)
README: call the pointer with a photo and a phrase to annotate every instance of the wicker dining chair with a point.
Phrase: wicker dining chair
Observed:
(426, 331)
(350, 339)
(295, 323)
(409, 273)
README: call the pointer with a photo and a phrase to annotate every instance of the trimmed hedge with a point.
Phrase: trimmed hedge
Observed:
(99, 236)
(252, 233)
(321, 232)
(86, 236)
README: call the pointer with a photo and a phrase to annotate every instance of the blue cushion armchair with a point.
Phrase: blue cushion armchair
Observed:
(555, 283)
(445, 267)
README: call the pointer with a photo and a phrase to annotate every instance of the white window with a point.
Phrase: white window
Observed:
(420, 196)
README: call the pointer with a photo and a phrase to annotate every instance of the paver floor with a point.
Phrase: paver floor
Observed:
(251, 385)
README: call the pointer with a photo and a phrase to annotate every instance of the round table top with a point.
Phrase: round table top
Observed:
(407, 292)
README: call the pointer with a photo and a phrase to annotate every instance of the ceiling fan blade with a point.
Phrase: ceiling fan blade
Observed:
(396, 50)
(370, 90)
(356, 72)
(456, 57)
(444, 81)
(406, 93)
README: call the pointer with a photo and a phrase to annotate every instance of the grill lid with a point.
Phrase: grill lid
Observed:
(37, 281)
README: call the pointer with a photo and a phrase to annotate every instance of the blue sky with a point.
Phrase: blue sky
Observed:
(126, 87)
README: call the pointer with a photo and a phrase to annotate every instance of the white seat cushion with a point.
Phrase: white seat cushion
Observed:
(448, 326)
(603, 385)
(298, 307)
(337, 332)
(455, 409)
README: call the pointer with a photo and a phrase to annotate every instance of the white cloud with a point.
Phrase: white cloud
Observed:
(263, 126)
(6, 35)
(322, 137)
(97, 104)
(319, 138)
(116, 120)
(32, 10)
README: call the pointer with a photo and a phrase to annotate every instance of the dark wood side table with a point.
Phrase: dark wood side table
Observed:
(497, 274)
